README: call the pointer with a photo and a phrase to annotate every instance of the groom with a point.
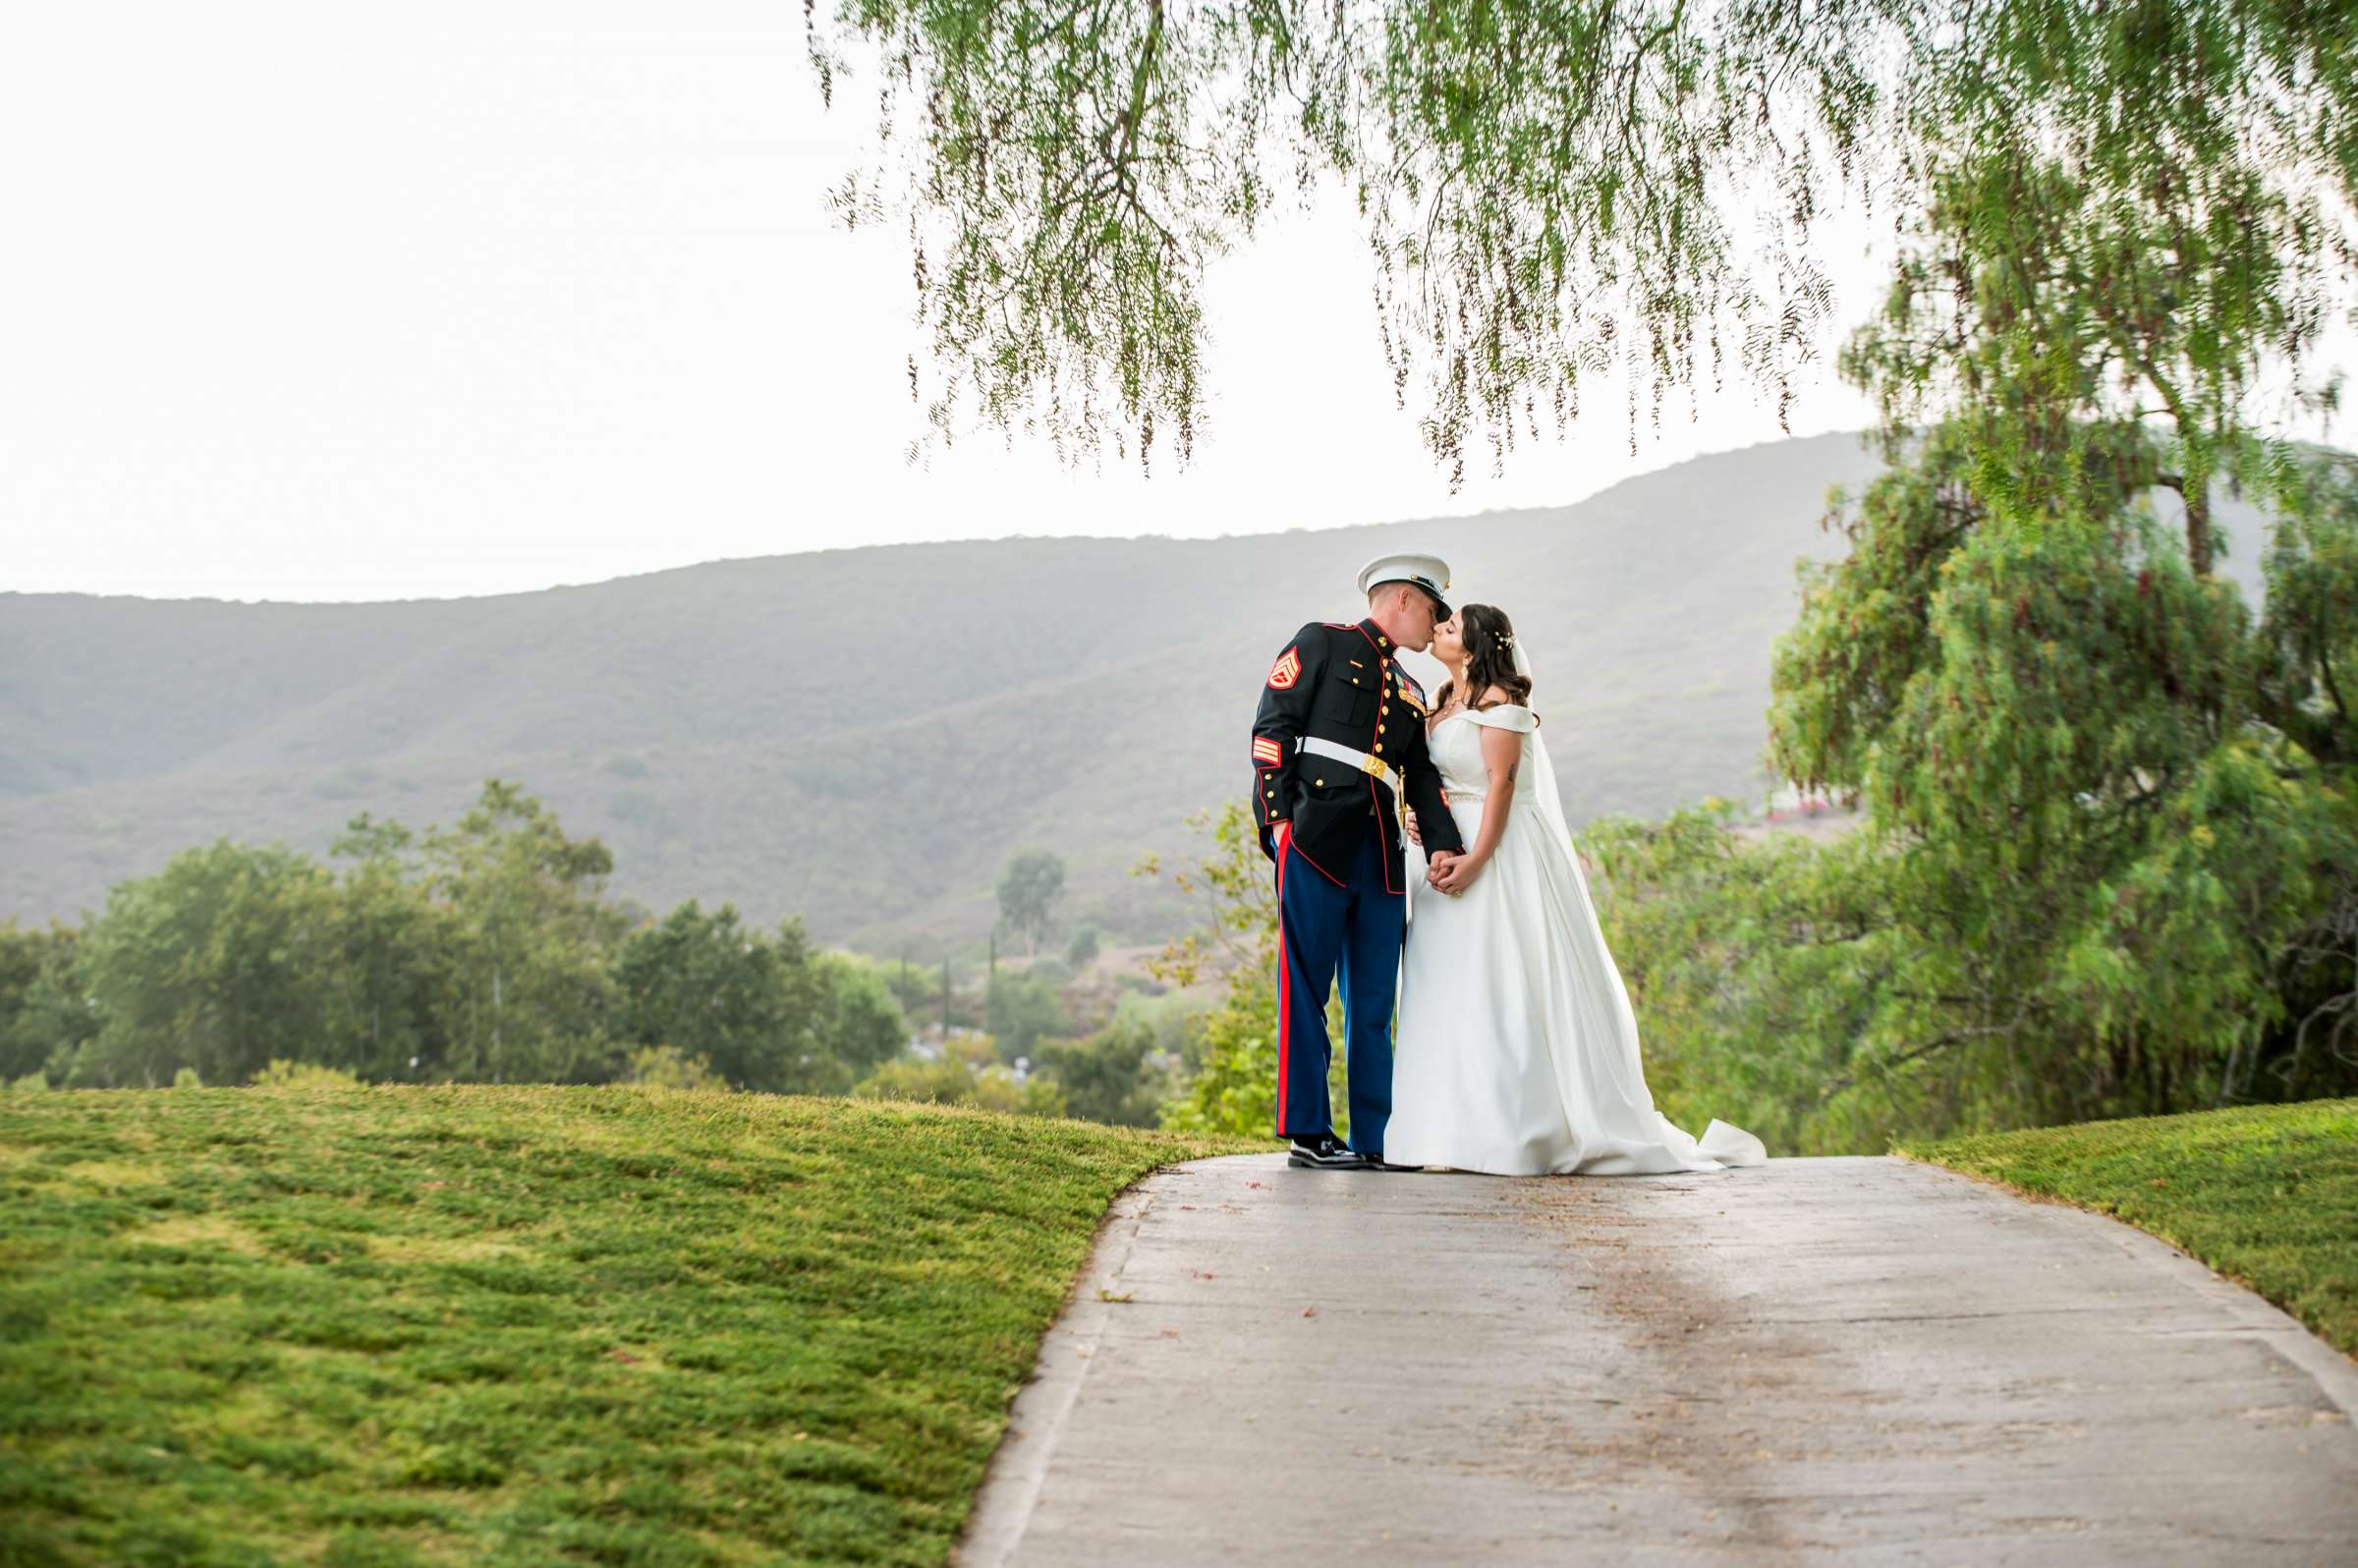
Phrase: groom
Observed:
(1338, 741)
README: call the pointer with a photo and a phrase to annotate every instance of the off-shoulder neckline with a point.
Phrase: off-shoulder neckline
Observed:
(1477, 714)
(1514, 716)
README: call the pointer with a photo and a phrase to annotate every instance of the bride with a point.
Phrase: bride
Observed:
(1517, 1048)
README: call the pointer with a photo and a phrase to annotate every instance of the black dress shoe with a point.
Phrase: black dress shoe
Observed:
(1377, 1161)
(1324, 1152)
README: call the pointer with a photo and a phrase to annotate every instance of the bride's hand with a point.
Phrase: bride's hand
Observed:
(1456, 874)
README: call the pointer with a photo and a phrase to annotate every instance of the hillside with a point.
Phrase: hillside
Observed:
(862, 736)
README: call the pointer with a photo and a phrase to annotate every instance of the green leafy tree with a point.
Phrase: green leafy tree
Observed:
(1023, 1009)
(222, 961)
(860, 1025)
(916, 986)
(1111, 1076)
(2102, 855)
(536, 940)
(2105, 870)
(766, 1012)
(44, 1018)
(1028, 892)
(398, 949)
(724, 992)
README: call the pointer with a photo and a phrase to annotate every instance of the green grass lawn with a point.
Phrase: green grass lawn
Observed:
(2267, 1195)
(477, 1324)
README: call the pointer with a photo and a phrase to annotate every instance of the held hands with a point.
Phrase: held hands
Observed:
(1453, 874)
(1442, 864)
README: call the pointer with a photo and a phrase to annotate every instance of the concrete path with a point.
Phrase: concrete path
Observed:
(1859, 1361)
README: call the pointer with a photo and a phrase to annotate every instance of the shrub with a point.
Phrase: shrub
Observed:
(671, 1068)
(284, 1073)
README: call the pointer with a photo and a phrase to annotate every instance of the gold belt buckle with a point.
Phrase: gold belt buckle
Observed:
(1375, 766)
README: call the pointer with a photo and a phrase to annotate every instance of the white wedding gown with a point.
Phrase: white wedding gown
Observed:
(1517, 1049)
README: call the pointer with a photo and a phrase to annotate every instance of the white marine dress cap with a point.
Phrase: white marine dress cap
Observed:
(1427, 572)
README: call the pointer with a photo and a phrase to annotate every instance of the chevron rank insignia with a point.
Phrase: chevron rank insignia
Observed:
(1286, 671)
(1266, 753)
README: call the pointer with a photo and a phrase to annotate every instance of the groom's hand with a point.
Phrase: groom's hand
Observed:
(1408, 819)
(1438, 864)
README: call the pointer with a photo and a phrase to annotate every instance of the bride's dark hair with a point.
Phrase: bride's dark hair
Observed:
(1489, 638)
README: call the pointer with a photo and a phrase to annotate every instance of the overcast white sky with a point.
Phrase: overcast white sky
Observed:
(300, 302)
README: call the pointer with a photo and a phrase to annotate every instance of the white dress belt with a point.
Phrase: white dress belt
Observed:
(1374, 766)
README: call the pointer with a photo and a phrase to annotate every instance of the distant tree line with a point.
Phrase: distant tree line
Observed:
(488, 952)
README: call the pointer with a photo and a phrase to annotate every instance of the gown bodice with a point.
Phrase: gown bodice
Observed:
(1455, 746)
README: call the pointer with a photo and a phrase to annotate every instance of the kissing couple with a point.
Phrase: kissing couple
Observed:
(1423, 857)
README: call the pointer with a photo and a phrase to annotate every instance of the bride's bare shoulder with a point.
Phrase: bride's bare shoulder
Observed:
(1500, 697)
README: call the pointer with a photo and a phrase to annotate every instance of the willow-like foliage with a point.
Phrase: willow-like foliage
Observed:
(1561, 191)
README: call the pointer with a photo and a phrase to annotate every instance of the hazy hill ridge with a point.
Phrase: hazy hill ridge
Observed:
(862, 735)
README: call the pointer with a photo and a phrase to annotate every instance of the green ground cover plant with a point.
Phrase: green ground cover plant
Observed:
(2267, 1195)
(522, 1325)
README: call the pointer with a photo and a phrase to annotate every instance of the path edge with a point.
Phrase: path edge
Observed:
(2335, 1372)
(1011, 1480)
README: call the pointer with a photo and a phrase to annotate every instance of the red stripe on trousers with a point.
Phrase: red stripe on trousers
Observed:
(1284, 969)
